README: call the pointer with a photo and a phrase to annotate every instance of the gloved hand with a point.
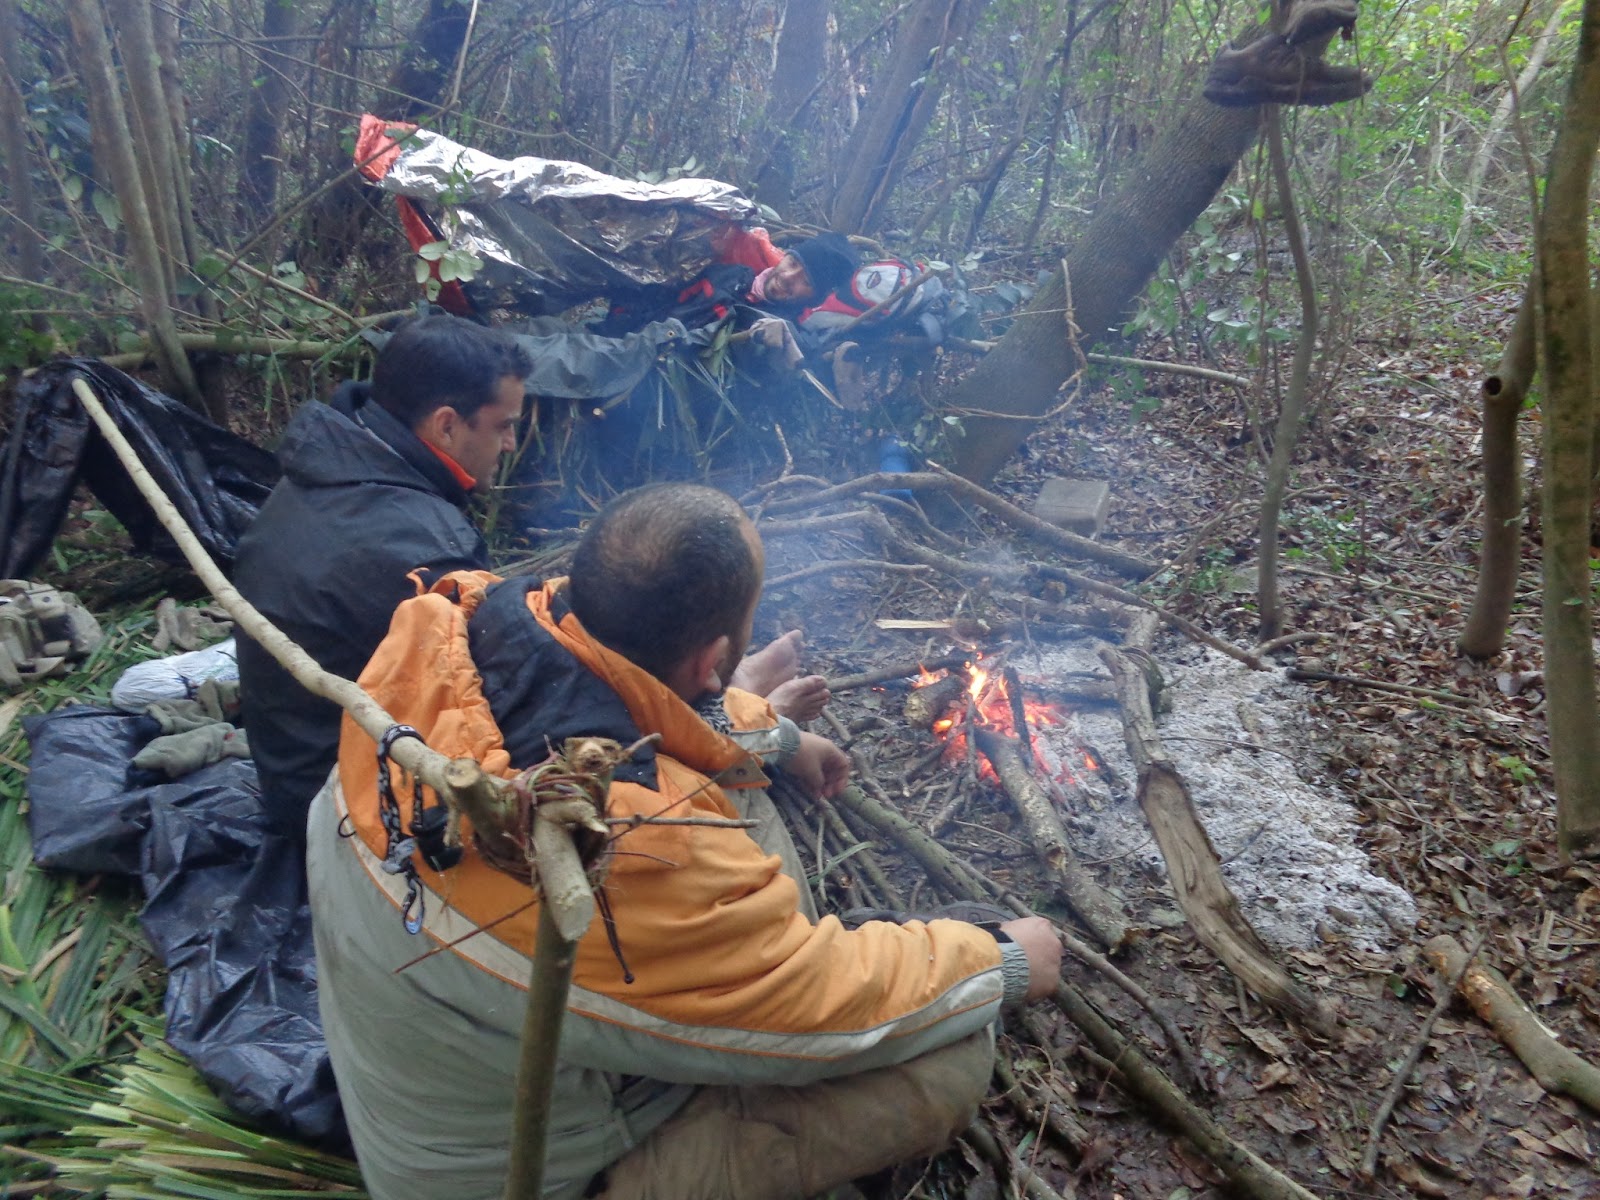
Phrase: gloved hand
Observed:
(777, 335)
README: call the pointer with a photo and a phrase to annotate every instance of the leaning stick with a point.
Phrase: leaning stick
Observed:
(568, 905)
(1556, 1068)
(1402, 1076)
(1097, 907)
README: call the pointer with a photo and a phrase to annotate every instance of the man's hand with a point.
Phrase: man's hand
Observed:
(1038, 937)
(820, 767)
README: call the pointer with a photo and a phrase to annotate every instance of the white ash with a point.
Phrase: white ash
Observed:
(1284, 833)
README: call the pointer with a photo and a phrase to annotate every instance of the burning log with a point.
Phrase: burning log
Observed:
(1097, 907)
(926, 705)
(1192, 864)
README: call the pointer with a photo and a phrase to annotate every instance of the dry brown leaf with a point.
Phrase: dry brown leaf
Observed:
(1529, 1142)
(1276, 1074)
(1265, 1041)
(1572, 1141)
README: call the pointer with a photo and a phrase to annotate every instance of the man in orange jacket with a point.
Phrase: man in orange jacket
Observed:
(720, 1042)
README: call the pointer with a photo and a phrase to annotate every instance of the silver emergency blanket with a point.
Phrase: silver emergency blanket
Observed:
(554, 234)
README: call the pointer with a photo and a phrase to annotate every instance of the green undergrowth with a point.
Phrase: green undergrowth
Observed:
(92, 1101)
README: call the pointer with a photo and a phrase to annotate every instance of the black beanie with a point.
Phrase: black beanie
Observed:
(828, 259)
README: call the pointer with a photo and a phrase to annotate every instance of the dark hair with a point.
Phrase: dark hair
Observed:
(663, 571)
(440, 361)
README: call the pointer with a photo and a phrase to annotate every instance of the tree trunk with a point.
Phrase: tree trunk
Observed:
(107, 114)
(1502, 116)
(14, 141)
(1128, 238)
(802, 57)
(1109, 265)
(1500, 557)
(141, 64)
(902, 103)
(1569, 417)
(264, 111)
(333, 225)
(1294, 401)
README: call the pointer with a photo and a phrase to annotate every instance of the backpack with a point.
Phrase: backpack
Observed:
(42, 631)
(872, 283)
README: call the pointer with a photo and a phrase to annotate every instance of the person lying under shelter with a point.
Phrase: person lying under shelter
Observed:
(720, 1041)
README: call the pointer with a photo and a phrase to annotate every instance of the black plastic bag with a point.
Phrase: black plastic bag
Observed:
(226, 909)
(216, 479)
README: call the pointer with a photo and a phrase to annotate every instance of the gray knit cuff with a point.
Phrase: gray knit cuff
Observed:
(788, 742)
(1013, 972)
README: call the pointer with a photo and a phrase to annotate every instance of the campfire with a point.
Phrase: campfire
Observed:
(991, 701)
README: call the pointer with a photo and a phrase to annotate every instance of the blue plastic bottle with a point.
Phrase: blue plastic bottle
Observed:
(895, 456)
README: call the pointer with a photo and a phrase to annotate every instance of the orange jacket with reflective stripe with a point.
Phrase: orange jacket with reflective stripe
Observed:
(730, 982)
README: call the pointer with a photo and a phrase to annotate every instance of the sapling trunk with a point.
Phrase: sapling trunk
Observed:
(1290, 416)
(1500, 556)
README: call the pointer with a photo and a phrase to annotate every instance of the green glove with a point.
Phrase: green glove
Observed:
(177, 754)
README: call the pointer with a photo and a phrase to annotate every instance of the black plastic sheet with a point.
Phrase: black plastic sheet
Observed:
(225, 909)
(216, 479)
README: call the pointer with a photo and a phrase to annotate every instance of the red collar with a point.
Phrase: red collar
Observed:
(467, 482)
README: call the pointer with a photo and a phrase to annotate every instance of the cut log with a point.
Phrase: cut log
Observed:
(1556, 1068)
(1099, 910)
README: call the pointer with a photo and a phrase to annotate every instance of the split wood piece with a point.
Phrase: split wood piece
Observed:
(1051, 622)
(1557, 1068)
(939, 480)
(233, 343)
(1079, 505)
(1192, 864)
(847, 683)
(927, 705)
(1252, 1175)
(1099, 910)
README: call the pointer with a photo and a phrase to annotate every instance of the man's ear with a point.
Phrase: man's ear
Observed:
(439, 428)
(704, 664)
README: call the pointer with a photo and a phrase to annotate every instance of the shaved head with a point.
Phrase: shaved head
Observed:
(665, 570)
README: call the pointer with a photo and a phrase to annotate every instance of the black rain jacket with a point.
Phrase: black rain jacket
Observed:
(363, 503)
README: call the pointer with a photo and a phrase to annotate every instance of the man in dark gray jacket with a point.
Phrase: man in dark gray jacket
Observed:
(375, 487)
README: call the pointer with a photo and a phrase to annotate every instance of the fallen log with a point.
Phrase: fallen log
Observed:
(1193, 867)
(1558, 1069)
(1099, 910)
